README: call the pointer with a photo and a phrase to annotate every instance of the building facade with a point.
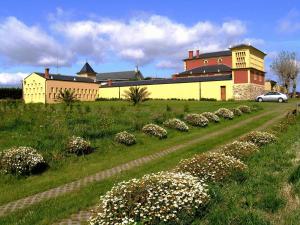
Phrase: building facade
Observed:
(237, 73)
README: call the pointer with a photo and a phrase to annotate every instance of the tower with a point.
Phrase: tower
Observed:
(87, 71)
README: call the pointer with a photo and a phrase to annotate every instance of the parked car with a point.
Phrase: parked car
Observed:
(272, 97)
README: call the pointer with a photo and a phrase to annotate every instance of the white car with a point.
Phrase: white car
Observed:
(272, 97)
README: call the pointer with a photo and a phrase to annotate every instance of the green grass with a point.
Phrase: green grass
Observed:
(260, 199)
(53, 210)
(48, 127)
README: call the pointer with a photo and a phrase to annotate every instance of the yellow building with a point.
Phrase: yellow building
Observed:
(45, 87)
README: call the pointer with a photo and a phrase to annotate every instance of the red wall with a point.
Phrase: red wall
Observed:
(194, 63)
(240, 76)
(260, 77)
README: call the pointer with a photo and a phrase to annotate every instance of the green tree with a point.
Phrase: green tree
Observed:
(136, 94)
(66, 96)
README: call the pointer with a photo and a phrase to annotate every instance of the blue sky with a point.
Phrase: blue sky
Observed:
(117, 35)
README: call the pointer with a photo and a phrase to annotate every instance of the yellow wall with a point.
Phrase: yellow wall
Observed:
(247, 57)
(211, 89)
(34, 89)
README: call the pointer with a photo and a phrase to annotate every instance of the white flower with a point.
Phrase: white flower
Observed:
(155, 130)
(196, 119)
(125, 138)
(176, 124)
(225, 113)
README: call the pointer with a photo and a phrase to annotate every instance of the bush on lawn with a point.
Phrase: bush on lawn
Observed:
(155, 130)
(176, 124)
(79, 146)
(125, 138)
(244, 109)
(21, 161)
(211, 117)
(236, 112)
(162, 198)
(259, 138)
(239, 149)
(224, 113)
(211, 166)
(196, 120)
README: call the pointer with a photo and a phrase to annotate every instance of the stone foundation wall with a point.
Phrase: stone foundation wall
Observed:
(247, 91)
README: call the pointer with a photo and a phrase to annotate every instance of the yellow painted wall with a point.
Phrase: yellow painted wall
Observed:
(211, 89)
(247, 57)
(34, 89)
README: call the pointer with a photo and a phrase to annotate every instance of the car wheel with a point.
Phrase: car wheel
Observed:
(280, 100)
(260, 99)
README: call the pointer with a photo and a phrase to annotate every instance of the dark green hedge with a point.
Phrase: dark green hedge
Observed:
(10, 93)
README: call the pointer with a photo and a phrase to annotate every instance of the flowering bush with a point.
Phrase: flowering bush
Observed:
(79, 146)
(239, 149)
(21, 161)
(211, 117)
(244, 109)
(155, 130)
(259, 138)
(236, 111)
(225, 113)
(196, 120)
(210, 166)
(176, 124)
(153, 199)
(125, 138)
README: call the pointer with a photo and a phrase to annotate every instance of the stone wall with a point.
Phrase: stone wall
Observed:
(247, 91)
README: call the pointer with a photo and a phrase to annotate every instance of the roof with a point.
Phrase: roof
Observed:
(86, 69)
(67, 78)
(247, 46)
(211, 55)
(123, 75)
(207, 69)
(170, 81)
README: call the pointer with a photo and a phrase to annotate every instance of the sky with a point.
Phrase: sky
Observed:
(120, 35)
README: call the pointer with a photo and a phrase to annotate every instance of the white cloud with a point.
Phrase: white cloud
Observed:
(12, 78)
(29, 45)
(168, 64)
(290, 23)
(144, 40)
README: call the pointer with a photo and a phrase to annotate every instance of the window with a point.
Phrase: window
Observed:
(52, 89)
(220, 60)
(205, 61)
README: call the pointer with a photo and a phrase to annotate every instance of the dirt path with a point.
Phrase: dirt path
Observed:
(84, 215)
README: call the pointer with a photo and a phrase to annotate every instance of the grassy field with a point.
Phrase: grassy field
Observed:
(67, 168)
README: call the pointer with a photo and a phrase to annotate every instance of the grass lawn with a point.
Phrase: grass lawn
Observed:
(48, 127)
(53, 210)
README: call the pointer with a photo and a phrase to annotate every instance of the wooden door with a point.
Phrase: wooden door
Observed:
(223, 93)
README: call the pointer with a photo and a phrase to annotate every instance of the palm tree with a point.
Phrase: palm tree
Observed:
(136, 94)
(66, 96)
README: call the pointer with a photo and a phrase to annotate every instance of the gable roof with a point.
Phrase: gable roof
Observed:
(86, 69)
(207, 69)
(169, 81)
(122, 75)
(211, 55)
(67, 78)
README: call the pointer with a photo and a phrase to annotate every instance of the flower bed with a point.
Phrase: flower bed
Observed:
(159, 198)
(259, 138)
(224, 113)
(211, 117)
(236, 112)
(196, 120)
(210, 166)
(155, 130)
(21, 161)
(244, 109)
(125, 138)
(239, 149)
(176, 124)
(79, 146)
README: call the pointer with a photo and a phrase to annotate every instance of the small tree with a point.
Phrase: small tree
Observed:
(136, 94)
(287, 69)
(66, 96)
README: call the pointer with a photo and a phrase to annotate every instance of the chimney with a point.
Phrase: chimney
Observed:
(174, 77)
(47, 73)
(197, 53)
(191, 54)
(109, 82)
